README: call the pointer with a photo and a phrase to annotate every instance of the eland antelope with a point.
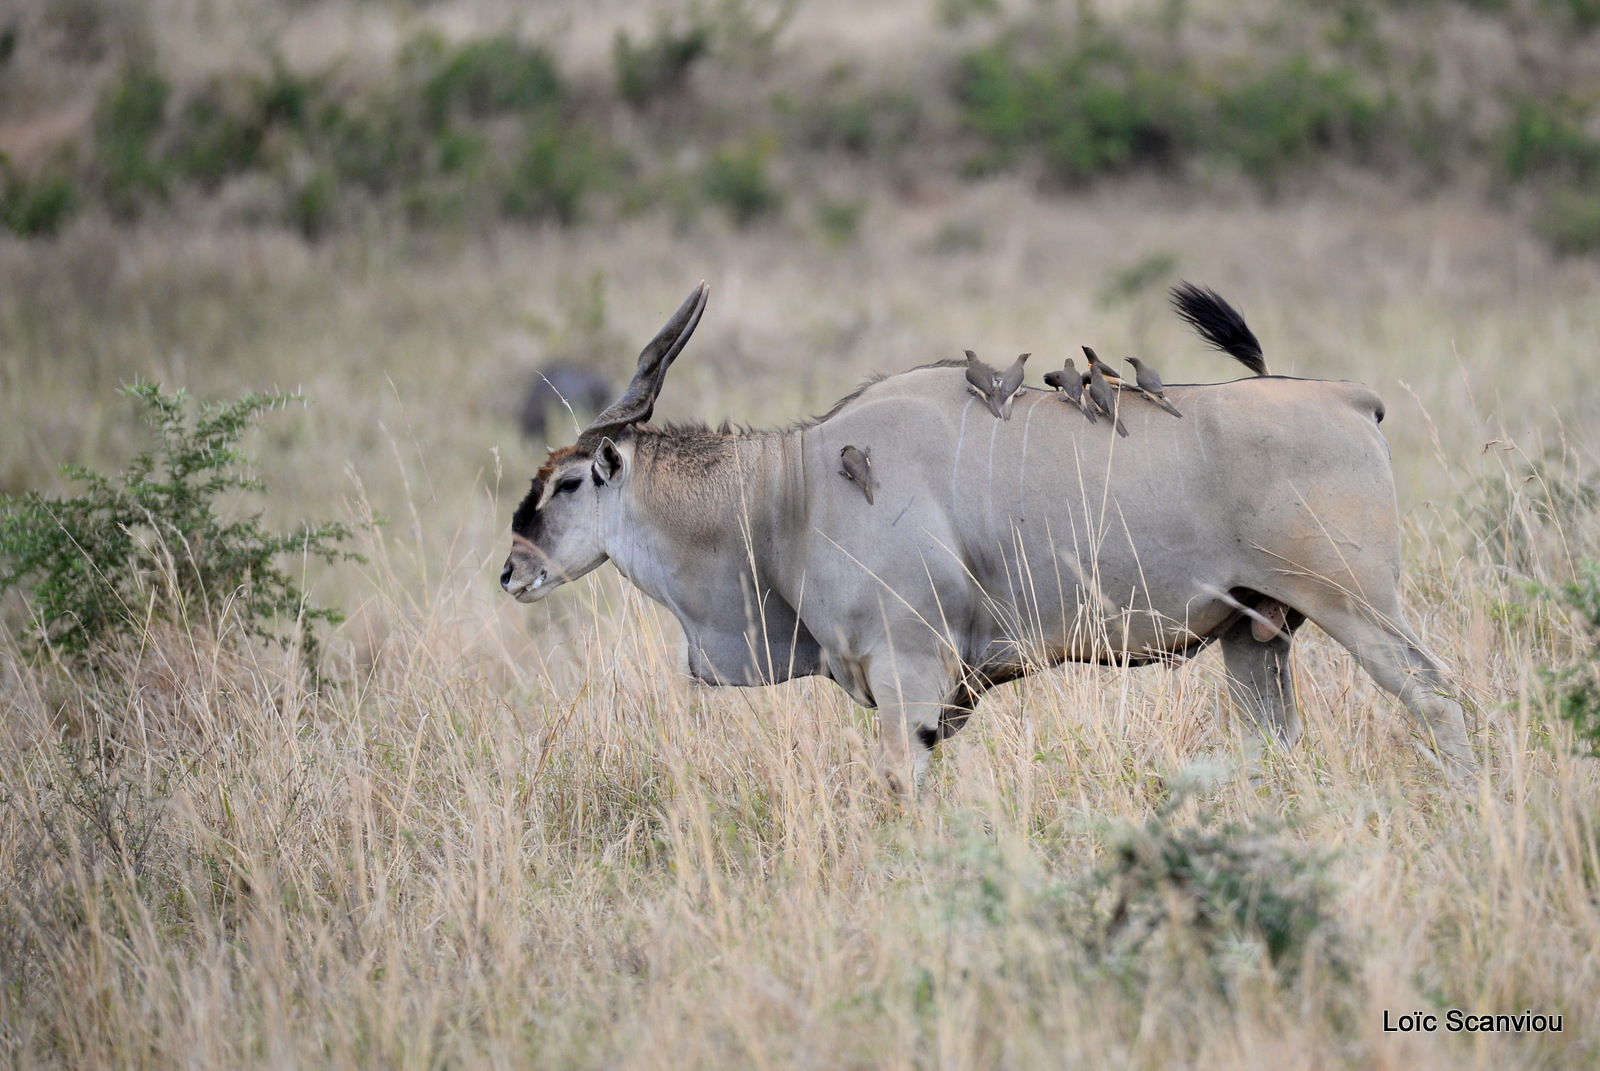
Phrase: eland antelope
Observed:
(996, 547)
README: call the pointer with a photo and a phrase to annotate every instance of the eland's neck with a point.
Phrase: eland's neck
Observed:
(700, 501)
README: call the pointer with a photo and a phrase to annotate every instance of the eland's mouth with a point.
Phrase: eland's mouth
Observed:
(535, 588)
(530, 590)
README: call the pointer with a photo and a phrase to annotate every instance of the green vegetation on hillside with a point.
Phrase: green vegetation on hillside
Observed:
(475, 129)
(466, 131)
(1087, 102)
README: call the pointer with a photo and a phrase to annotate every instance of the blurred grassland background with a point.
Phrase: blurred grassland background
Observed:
(492, 835)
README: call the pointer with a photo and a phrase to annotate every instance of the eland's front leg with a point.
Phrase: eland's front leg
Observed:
(910, 690)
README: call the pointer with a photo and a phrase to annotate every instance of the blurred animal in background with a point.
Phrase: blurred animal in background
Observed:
(555, 387)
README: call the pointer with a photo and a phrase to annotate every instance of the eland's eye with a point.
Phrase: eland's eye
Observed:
(569, 485)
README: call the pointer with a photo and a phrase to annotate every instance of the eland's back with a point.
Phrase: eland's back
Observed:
(1051, 532)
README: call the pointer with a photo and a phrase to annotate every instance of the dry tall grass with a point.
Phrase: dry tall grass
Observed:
(507, 837)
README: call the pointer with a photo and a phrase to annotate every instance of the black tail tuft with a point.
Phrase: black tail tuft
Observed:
(1219, 324)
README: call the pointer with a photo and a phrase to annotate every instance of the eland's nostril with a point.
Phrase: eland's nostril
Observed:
(505, 576)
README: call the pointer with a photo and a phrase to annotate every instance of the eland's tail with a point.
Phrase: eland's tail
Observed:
(1219, 324)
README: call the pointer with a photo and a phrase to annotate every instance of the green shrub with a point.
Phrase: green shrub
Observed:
(1575, 689)
(441, 137)
(737, 180)
(552, 175)
(844, 118)
(1222, 882)
(1292, 113)
(128, 121)
(839, 221)
(312, 205)
(1545, 137)
(149, 544)
(1086, 104)
(840, 124)
(378, 146)
(1220, 895)
(36, 207)
(747, 31)
(1570, 222)
(223, 128)
(422, 138)
(285, 98)
(659, 69)
(215, 141)
(459, 150)
(491, 76)
(1090, 102)
(1581, 15)
(1148, 272)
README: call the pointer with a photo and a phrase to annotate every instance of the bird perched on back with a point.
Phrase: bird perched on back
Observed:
(1111, 375)
(1010, 383)
(983, 382)
(858, 468)
(1150, 385)
(1068, 382)
(1105, 398)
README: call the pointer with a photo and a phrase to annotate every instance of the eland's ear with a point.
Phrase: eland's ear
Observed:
(608, 462)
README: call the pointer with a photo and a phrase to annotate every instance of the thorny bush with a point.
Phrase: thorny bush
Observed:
(150, 543)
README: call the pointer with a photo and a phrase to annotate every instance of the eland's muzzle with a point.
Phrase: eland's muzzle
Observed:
(521, 588)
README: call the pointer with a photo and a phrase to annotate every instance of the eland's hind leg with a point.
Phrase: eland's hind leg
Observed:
(1387, 649)
(1261, 682)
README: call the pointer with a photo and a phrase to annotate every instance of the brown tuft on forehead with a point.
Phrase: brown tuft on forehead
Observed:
(557, 456)
(523, 518)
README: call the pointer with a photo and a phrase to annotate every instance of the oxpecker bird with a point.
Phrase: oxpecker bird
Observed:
(1105, 398)
(1150, 385)
(1106, 370)
(984, 382)
(858, 467)
(1010, 382)
(1071, 384)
